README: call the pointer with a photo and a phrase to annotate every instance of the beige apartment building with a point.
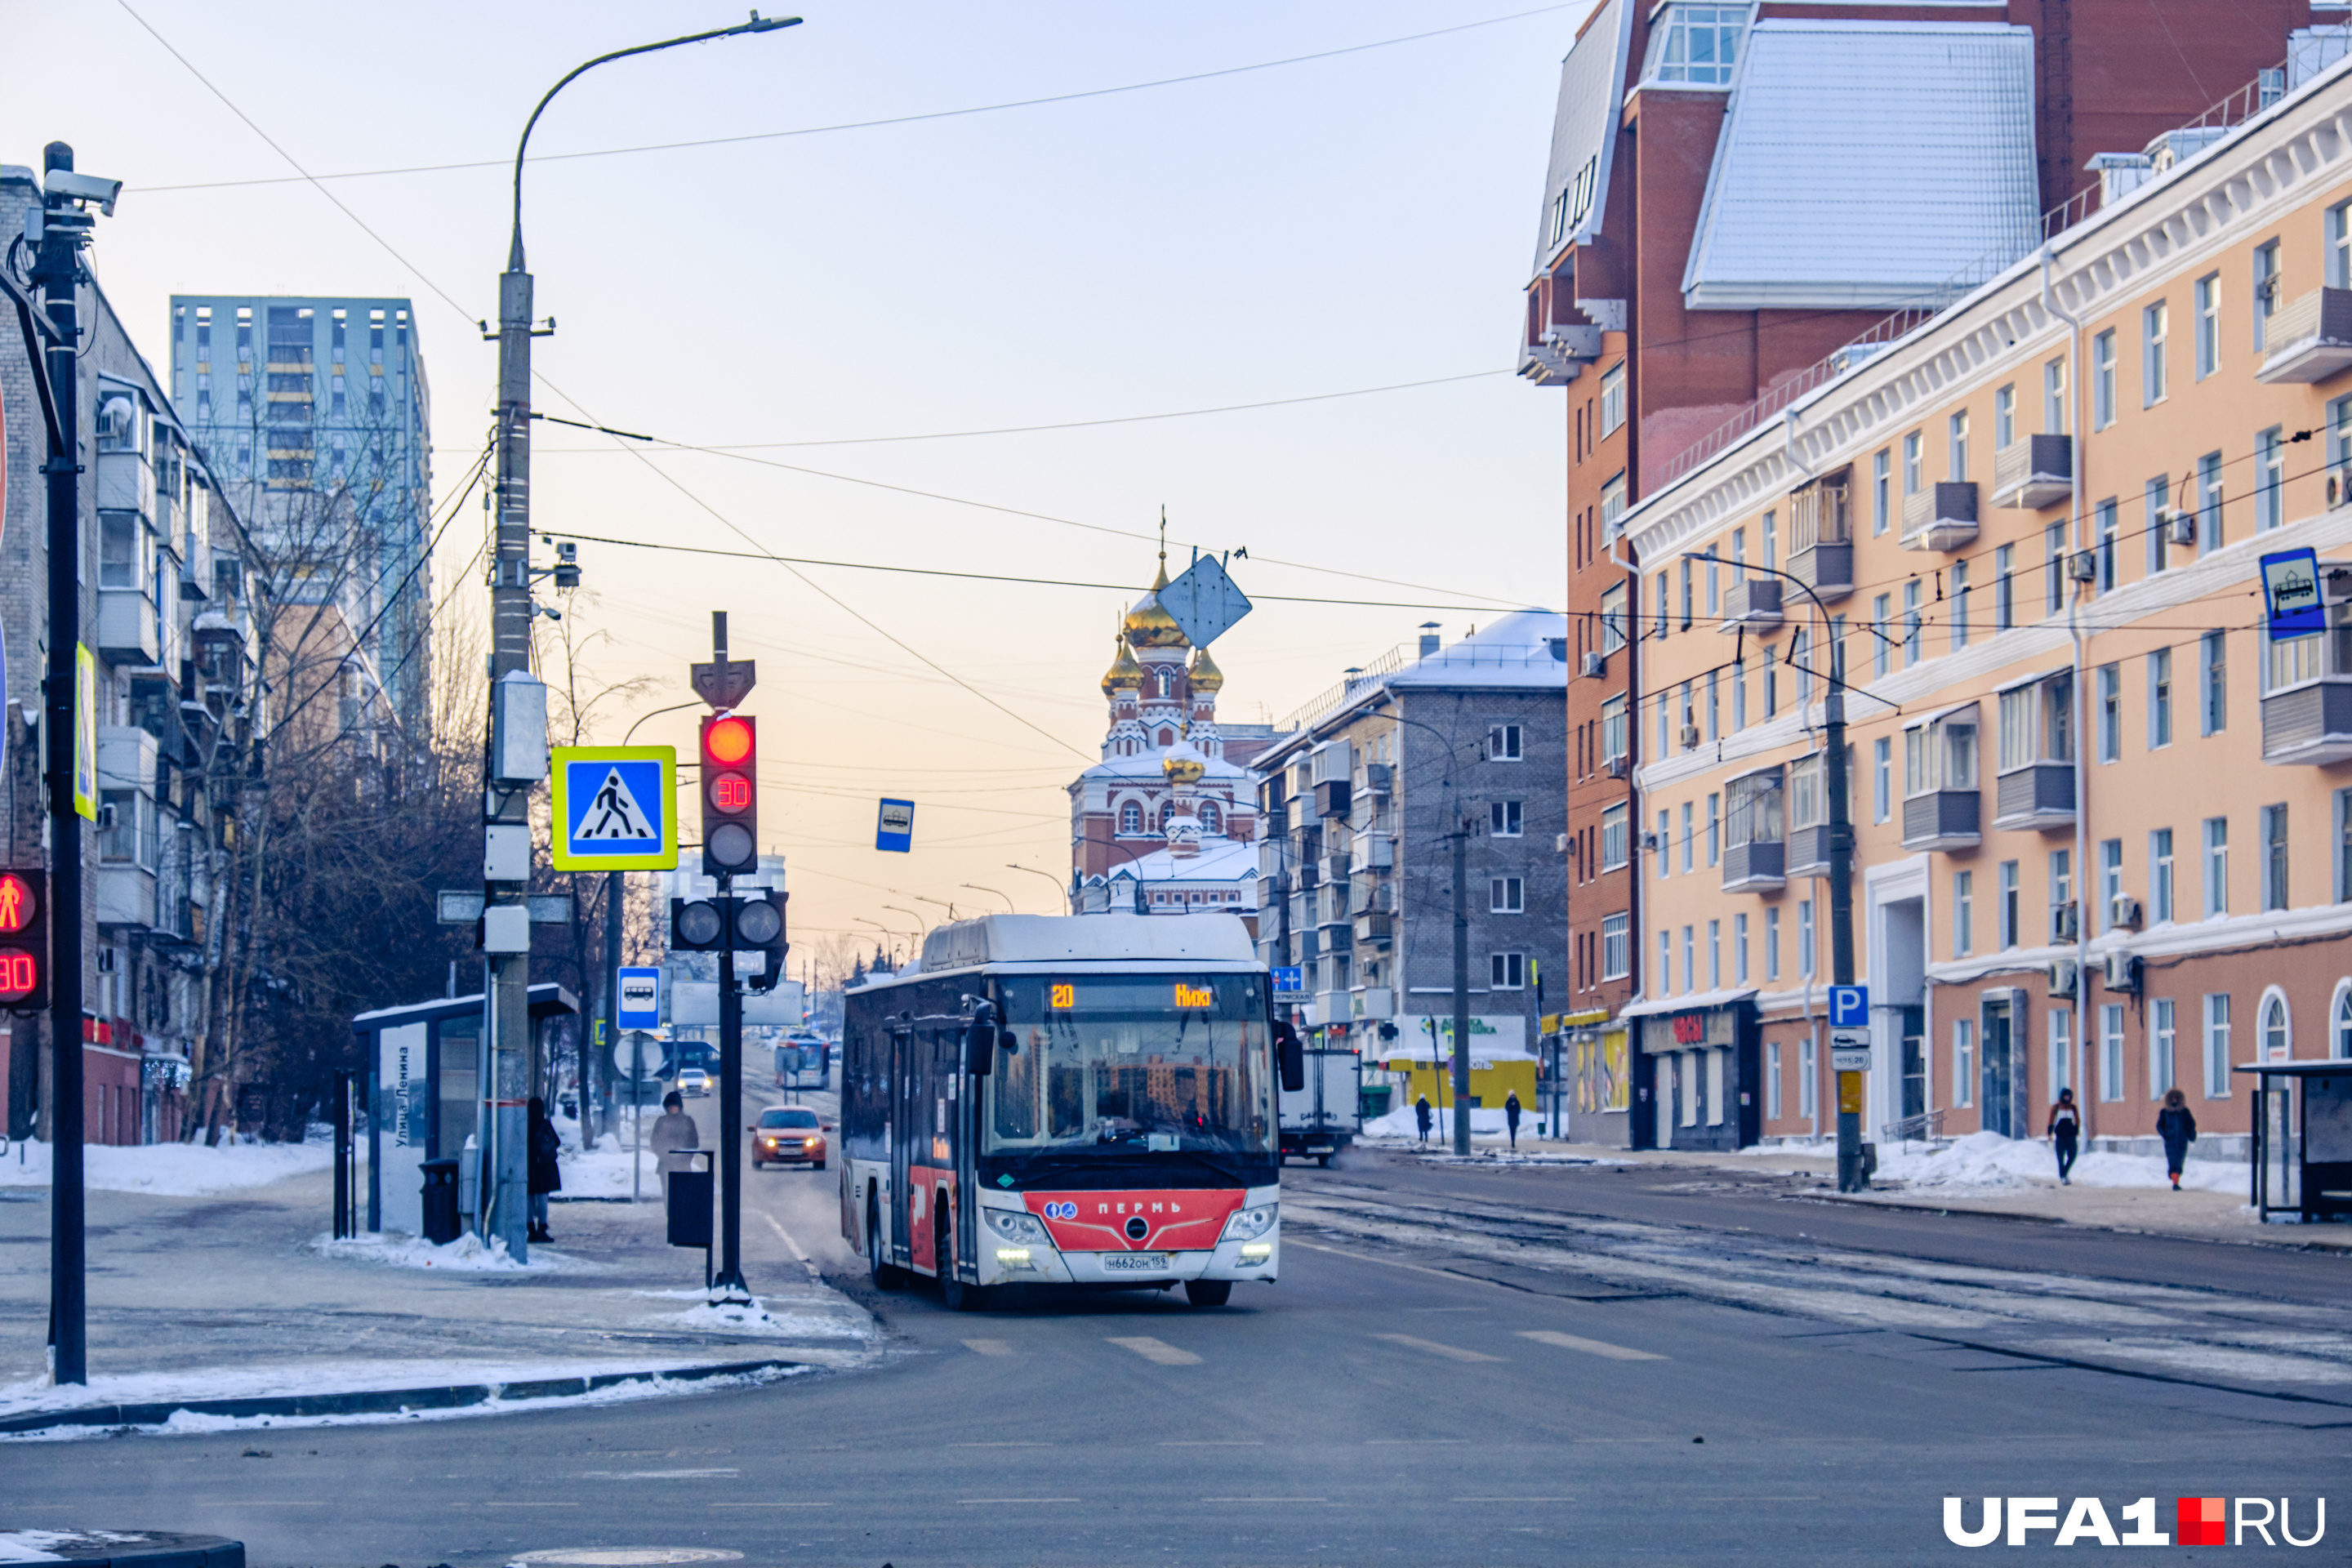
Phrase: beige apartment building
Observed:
(2102, 814)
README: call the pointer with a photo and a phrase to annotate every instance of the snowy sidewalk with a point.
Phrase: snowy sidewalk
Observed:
(212, 1282)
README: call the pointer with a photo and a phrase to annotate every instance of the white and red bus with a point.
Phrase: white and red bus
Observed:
(1080, 1100)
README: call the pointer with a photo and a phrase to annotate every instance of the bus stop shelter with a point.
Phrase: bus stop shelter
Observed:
(2303, 1139)
(426, 1061)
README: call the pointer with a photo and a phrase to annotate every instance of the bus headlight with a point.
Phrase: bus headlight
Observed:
(1013, 1258)
(1249, 1223)
(1015, 1226)
(1256, 1252)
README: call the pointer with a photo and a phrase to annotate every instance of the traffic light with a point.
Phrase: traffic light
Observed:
(699, 925)
(730, 795)
(24, 940)
(759, 927)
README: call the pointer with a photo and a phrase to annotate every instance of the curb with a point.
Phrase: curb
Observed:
(129, 1548)
(380, 1401)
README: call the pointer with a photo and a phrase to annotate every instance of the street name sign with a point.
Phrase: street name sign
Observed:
(615, 808)
(1204, 601)
(895, 829)
(640, 998)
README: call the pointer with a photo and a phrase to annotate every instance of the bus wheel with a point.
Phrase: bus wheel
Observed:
(887, 1274)
(954, 1294)
(1208, 1292)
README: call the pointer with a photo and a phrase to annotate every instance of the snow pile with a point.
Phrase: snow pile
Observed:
(1987, 1162)
(469, 1254)
(740, 1318)
(604, 1172)
(174, 1170)
(33, 1545)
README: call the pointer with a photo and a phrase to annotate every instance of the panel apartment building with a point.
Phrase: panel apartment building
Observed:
(317, 413)
(2101, 803)
(1741, 203)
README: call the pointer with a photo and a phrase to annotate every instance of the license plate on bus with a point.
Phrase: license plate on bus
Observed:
(1134, 1262)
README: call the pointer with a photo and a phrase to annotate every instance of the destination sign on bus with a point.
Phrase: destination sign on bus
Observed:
(1064, 993)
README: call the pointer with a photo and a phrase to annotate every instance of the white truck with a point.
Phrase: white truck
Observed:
(1324, 1117)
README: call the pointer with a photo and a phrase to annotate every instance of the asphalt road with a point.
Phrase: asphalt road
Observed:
(1457, 1366)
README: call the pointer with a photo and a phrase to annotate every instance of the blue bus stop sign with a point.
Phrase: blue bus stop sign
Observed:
(640, 998)
(895, 828)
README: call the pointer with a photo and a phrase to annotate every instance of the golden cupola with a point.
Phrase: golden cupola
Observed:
(1124, 673)
(1147, 625)
(1182, 764)
(1206, 676)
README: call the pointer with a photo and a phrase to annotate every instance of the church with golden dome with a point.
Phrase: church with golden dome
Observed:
(1165, 821)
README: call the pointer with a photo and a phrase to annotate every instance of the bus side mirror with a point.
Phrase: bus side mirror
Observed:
(1290, 1056)
(983, 1039)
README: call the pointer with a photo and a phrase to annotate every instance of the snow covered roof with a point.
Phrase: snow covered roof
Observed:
(1109, 938)
(1868, 164)
(1525, 648)
(1583, 130)
(1220, 861)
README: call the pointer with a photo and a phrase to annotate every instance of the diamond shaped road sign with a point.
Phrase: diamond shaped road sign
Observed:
(1204, 601)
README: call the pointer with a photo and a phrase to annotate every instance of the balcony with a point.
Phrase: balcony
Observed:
(126, 895)
(1941, 819)
(2309, 725)
(2034, 473)
(1809, 852)
(1752, 605)
(1826, 569)
(1941, 517)
(1375, 1002)
(126, 627)
(2310, 338)
(1754, 868)
(1331, 798)
(1821, 538)
(126, 482)
(2038, 795)
(1378, 927)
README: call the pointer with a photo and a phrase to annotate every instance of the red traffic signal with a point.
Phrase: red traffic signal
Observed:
(730, 795)
(24, 940)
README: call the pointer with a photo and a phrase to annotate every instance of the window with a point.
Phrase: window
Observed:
(2161, 904)
(1508, 972)
(2062, 885)
(2217, 1047)
(1662, 749)
(1964, 913)
(1941, 753)
(1755, 814)
(1697, 44)
(1211, 820)
(1661, 628)
(1666, 981)
(2213, 683)
(2339, 1043)
(1882, 510)
(2269, 478)
(2004, 415)
(1883, 644)
(1805, 936)
(2062, 1050)
(1772, 943)
(1503, 743)
(1615, 734)
(2154, 323)
(1506, 895)
(1960, 613)
(1714, 829)
(1771, 1080)
(2008, 911)
(1616, 946)
(1715, 955)
(2160, 1033)
(1911, 464)
(2004, 587)
(2275, 1044)
(1740, 950)
(1956, 447)
(119, 550)
(1690, 960)
(1665, 845)
(2102, 380)
(1808, 1076)
(2111, 712)
(1768, 528)
(2054, 397)
(2209, 324)
(2111, 880)
(1739, 693)
(2053, 569)
(2159, 699)
(1964, 1061)
(2111, 1051)
(2155, 498)
(2216, 867)
(2266, 290)
(1911, 623)
(1800, 660)
(2105, 528)
(1714, 706)
(1616, 824)
(2274, 861)
(1504, 818)
(1690, 839)
(1612, 399)
(1614, 623)
(2208, 503)
(1881, 778)
(1688, 606)
(1131, 818)
(1612, 512)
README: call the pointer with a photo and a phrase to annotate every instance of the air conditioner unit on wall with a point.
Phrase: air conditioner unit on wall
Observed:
(2084, 566)
(1690, 737)
(2125, 911)
(2065, 923)
(2123, 971)
(2065, 978)
(1618, 767)
(2180, 528)
(1595, 666)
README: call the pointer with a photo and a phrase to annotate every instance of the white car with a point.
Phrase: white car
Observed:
(693, 1080)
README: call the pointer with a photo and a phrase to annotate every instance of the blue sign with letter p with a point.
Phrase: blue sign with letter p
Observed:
(1849, 1007)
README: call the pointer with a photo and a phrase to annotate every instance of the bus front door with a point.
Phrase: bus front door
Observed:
(903, 1128)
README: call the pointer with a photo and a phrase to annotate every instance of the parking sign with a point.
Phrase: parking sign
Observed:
(1849, 1007)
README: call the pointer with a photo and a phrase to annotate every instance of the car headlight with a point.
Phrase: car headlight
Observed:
(1015, 1226)
(1248, 1224)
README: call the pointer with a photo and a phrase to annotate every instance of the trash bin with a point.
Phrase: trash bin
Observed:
(690, 1208)
(441, 1201)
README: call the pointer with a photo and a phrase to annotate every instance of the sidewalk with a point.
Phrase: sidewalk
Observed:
(2215, 1209)
(239, 1296)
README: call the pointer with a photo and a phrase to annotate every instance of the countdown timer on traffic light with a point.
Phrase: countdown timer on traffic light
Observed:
(24, 940)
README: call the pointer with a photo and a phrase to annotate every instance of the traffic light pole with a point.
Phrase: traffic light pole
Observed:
(58, 273)
(730, 1118)
(1460, 990)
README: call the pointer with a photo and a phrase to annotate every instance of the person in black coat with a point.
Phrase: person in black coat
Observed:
(2066, 1134)
(543, 1175)
(1421, 1115)
(1511, 1117)
(2177, 1125)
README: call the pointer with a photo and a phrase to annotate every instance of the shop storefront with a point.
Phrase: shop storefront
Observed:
(1698, 1075)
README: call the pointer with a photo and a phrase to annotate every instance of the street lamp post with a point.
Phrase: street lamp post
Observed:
(1061, 891)
(1010, 907)
(506, 1003)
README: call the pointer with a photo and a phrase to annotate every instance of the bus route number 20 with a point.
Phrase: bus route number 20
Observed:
(1061, 994)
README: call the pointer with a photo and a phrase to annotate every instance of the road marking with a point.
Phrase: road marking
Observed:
(1589, 1347)
(970, 1501)
(768, 1504)
(777, 1225)
(1452, 1352)
(1217, 1443)
(1515, 1500)
(1265, 1499)
(988, 1347)
(1408, 1442)
(1160, 1351)
(999, 1444)
(653, 1475)
(514, 1505)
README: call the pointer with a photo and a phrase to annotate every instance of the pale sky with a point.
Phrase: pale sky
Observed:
(1344, 223)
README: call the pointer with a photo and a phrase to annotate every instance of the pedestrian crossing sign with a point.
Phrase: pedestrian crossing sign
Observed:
(615, 808)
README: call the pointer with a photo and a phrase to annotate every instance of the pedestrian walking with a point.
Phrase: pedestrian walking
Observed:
(544, 1176)
(675, 1139)
(2066, 1134)
(1421, 1115)
(2177, 1125)
(1511, 1117)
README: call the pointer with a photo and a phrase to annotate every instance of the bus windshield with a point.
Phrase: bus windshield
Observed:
(1134, 1064)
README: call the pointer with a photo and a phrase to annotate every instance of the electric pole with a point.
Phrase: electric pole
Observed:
(1850, 1178)
(1461, 988)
